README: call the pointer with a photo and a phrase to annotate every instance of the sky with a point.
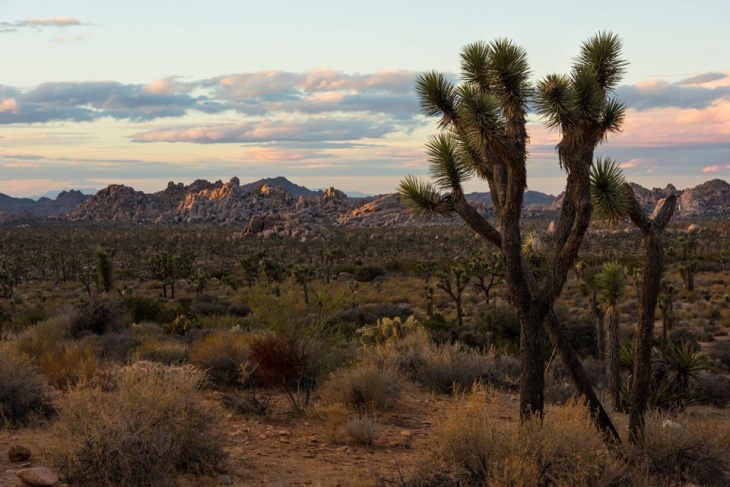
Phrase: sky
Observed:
(94, 92)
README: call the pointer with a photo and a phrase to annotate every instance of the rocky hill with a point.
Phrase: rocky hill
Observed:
(708, 200)
(278, 206)
(15, 208)
(257, 207)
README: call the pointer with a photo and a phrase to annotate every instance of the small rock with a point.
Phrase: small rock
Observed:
(406, 433)
(18, 453)
(284, 433)
(262, 436)
(38, 477)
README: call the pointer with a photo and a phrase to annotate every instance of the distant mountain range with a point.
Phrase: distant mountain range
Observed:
(276, 205)
(52, 195)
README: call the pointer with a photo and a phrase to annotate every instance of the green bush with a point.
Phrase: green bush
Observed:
(143, 309)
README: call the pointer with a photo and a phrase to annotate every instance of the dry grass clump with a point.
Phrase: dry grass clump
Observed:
(564, 451)
(445, 368)
(145, 432)
(684, 450)
(62, 361)
(164, 350)
(344, 425)
(221, 355)
(24, 394)
(364, 387)
(362, 431)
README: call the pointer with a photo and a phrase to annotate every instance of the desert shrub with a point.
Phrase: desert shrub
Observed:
(29, 317)
(208, 307)
(566, 450)
(24, 394)
(559, 388)
(368, 273)
(364, 387)
(220, 354)
(450, 367)
(719, 353)
(249, 401)
(278, 361)
(152, 427)
(238, 309)
(183, 324)
(165, 351)
(69, 362)
(100, 315)
(142, 309)
(348, 320)
(682, 450)
(115, 347)
(445, 367)
(35, 340)
(504, 326)
(361, 431)
(63, 362)
(714, 390)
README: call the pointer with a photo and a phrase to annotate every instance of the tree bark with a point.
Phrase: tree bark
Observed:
(613, 373)
(532, 369)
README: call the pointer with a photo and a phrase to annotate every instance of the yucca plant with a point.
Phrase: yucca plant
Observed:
(611, 284)
(483, 134)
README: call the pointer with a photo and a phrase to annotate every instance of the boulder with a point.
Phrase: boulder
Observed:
(38, 477)
(18, 453)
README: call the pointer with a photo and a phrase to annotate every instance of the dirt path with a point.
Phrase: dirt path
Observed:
(281, 450)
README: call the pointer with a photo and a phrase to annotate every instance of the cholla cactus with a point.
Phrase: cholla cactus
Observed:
(388, 329)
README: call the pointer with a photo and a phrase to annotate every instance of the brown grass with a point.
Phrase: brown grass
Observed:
(146, 431)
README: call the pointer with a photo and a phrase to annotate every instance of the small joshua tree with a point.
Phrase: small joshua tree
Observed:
(611, 284)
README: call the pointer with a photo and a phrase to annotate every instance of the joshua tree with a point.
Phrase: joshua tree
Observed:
(687, 246)
(104, 270)
(484, 134)
(487, 270)
(666, 305)
(303, 273)
(588, 288)
(454, 288)
(611, 284)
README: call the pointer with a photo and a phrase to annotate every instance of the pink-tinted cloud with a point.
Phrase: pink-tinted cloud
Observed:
(9, 105)
(716, 168)
(263, 131)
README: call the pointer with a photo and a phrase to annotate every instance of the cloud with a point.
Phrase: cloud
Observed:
(39, 23)
(660, 94)
(264, 131)
(716, 168)
(255, 94)
(701, 79)
(88, 101)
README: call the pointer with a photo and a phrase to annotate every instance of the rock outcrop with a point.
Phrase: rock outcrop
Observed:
(708, 200)
(278, 207)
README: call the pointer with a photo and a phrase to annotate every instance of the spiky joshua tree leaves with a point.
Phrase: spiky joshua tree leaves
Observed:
(484, 135)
